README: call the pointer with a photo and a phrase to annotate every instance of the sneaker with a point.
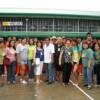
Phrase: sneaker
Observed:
(13, 82)
(8, 82)
(89, 87)
(49, 83)
(65, 84)
(85, 85)
(31, 81)
(24, 82)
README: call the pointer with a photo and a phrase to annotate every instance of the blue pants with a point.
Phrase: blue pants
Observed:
(11, 71)
(50, 72)
(31, 69)
(88, 75)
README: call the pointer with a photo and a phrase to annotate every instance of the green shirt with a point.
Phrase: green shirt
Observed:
(97, 56)
(31, 51)
(1, 56)
(86, 56)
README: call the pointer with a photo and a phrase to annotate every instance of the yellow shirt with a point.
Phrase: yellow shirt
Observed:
(31, 52)
(1, 56)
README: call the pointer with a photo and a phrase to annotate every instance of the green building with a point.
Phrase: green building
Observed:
(33, 23)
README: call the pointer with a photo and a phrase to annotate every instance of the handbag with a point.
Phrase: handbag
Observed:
(6, 61)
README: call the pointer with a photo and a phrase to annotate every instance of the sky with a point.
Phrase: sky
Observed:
(84, 5)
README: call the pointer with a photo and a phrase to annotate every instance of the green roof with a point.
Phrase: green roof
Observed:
(49, 13)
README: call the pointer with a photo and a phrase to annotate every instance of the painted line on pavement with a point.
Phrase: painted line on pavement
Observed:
(82, 90)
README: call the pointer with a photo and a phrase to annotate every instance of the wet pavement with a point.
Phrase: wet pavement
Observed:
(43, 91)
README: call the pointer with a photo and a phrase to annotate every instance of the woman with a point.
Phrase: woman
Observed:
(1, 62)
(97, 62)
(22, 57)
(88, 63)
(10, 54)
(31, 59)
(65, 56)
(39, 62)
(76, 54)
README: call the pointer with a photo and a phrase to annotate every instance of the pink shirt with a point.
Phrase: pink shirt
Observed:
(10, 53)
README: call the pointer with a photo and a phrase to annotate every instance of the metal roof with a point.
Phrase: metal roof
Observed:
(58, 13)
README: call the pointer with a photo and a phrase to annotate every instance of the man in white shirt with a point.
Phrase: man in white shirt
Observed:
(49, 60)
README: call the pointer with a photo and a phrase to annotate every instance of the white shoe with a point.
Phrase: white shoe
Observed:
(89, 87)
(24, 82)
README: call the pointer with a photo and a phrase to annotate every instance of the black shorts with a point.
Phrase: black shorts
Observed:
(1, 69)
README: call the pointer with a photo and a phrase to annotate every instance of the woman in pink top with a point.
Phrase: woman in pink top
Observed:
(10, 54)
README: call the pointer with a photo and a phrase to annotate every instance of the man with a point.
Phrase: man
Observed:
(49, 60)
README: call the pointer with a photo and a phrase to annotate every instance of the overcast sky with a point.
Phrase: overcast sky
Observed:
(86, 5)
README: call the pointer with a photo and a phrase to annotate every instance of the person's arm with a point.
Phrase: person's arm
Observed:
(34, 55)
(60, 57)
(91, 58)
(18, 54)
(52, 54)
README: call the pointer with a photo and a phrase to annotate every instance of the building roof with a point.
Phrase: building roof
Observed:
(49, 13)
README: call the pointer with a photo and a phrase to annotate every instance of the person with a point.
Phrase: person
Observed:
(88, 64)
(76, 55)
(58, 68)
(49, 51)
(22, 57)
(11, 55)
(1, 62)
(31, 59)
(39, 62)
(97, 63)
(65, 60)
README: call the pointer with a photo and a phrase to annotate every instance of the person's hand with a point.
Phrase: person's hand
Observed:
(52, 61)
(60, 63)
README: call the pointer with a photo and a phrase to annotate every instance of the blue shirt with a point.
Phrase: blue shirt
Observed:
(40, 54)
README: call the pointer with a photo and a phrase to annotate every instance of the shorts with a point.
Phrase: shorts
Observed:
(38, 69)
(23, 62)
(1, 69)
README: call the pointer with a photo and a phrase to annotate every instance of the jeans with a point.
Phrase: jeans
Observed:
(88, 75)
(31, 69)
(85, 75)
(11, 71)
(50, 73)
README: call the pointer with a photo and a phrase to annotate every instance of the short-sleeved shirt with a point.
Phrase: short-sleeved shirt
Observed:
(75, 53)
(97, 56)
(1, 56)
(66, 54)
(10, 53)
(48, 50)
(22, 50)
(31, 51)
(86, 56)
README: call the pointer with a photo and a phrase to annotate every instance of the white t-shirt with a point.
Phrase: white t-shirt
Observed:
(22, 50)
(48, 50)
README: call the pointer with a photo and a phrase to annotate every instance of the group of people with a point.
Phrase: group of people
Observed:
(55, 58)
